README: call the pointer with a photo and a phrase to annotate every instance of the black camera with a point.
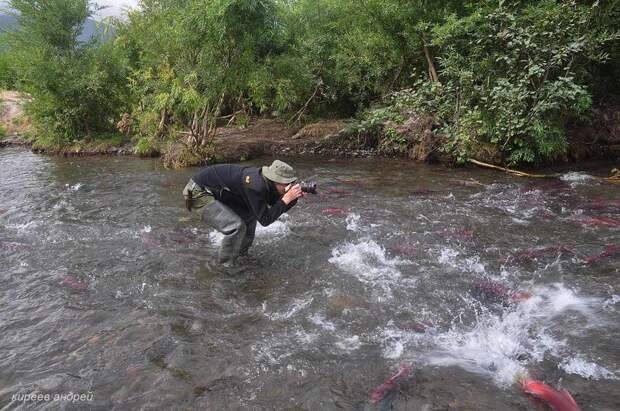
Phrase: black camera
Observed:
(308, 187)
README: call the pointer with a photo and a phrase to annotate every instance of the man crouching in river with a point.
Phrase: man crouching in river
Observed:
(232, 198)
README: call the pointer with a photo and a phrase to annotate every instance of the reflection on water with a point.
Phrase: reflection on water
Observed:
(473, 277)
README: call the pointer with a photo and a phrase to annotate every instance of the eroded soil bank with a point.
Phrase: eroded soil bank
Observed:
(598, 137)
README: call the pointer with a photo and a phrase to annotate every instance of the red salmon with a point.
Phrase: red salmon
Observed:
(339, 192)
(457, 234)
(334, 211)
(499, 293)
(558, 400)
(74, 283)
(532, 254)
(610, 251)
(381, 391)
(600, 221)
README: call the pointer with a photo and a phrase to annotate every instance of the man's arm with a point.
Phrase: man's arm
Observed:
(258, 204)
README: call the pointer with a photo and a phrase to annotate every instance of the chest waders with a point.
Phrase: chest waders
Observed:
(238, 234)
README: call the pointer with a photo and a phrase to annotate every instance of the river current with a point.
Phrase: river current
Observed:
(472, 278)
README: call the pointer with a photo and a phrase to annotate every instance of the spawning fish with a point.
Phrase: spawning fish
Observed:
(381, 391)
(558, 400)
(610, 251)
(74, 283)
(600, 221)
(601, 204)
(14, 246)
(458, 234)
(150, 240)
(417, 326)
(334, 211)
(424, 192)
(338, 191)
(498, 292)
(538, 252)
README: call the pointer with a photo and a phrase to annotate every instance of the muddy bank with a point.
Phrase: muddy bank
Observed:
(12, 119)
(416, 138)
(264, 137)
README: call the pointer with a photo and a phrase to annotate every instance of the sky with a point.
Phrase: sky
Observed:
(113, 7)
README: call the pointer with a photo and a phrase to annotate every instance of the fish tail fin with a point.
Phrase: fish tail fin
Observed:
(568, 397)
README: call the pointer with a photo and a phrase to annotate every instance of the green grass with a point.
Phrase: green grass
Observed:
(99, 143)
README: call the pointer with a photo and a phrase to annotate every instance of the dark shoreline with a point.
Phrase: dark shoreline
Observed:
(317, 152)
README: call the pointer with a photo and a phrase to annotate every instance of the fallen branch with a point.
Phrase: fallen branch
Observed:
(515, 172)
(614, 178)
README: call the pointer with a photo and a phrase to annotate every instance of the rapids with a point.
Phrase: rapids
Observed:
(108, 288)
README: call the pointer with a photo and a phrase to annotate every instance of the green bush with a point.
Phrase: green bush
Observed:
(511, 74)
(78, 89)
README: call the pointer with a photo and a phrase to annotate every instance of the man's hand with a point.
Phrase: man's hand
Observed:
(292, 193)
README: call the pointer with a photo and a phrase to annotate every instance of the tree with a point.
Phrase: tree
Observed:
(78, 88)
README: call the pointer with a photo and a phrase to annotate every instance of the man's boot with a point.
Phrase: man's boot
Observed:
(249, 237)
(227, 222)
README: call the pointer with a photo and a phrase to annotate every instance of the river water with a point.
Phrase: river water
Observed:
(473, 278)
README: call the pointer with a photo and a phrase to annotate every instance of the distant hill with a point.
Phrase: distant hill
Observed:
(8, 23)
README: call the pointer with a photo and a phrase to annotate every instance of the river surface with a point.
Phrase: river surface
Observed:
(473, 278)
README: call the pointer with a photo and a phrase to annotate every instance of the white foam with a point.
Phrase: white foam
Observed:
(557, 298)
(367, 260)
(352, 221)
(297, 305)
(393, 342)
(611, 302)
(305, 337)
(273, 231)
(450, 257)
(491, 346)
(277, 229)
(25, 227)
(494, 343)
(578, 365)
(146, 229)
(349, 344)
(576, 177)
(319, 320)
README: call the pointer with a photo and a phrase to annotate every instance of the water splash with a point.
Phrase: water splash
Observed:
(501, 345)
(74, 187)
(586, 369)
(366, 260)
(352, 222)
(576, 177)
(275, 230)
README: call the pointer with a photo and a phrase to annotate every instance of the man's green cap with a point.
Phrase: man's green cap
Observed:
(279, 172)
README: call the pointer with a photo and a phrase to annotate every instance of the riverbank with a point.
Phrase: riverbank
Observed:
(414, 138)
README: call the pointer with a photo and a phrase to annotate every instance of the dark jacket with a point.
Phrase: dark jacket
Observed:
(244, 190)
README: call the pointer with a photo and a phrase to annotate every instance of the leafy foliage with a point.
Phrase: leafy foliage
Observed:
(511, 74)
(503, 73)
(77, 88)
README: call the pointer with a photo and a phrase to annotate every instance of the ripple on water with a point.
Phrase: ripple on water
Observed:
(338, 323)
